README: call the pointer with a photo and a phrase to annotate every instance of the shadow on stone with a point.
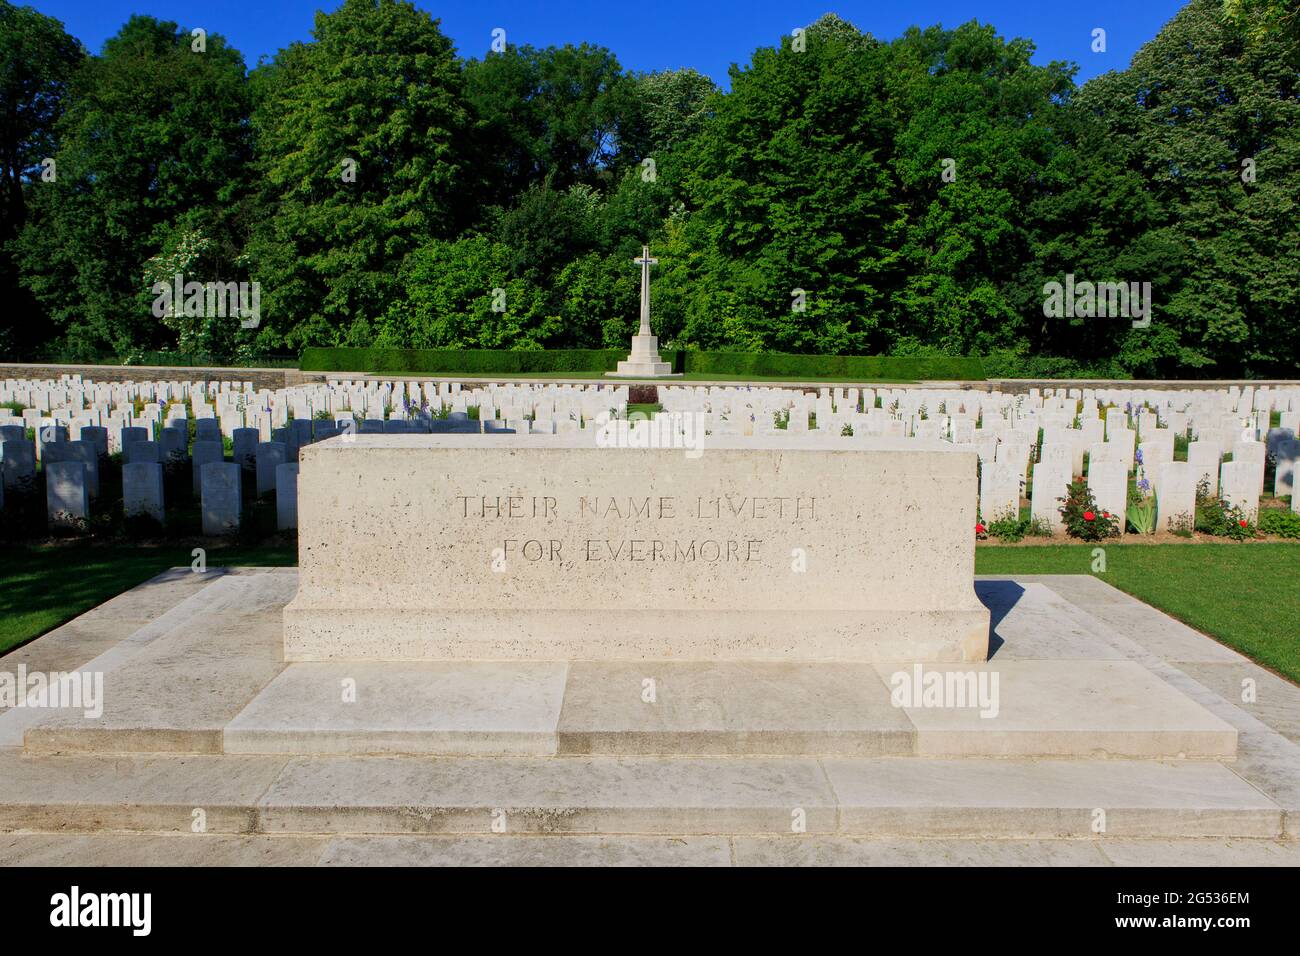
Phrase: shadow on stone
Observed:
(999, 597)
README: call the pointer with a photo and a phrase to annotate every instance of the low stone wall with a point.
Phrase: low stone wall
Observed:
(287, 377)
(260, 377)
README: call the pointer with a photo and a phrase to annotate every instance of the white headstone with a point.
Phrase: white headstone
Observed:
(67, 497)
(142, 490)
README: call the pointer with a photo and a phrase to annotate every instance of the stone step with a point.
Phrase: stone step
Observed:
(178, 700)
(184, 849)
(207, 677)
(881, 798)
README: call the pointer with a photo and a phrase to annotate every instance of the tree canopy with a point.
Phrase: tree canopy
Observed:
(846, 194)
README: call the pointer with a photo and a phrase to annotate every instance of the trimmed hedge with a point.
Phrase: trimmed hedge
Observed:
(157, 359)
(722, 364)
(1008, 364)
(863, 368)
(461, 361)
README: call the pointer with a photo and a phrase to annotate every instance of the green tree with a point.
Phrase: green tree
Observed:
(544, 115)
(154, 137)
(361, 160)
(548, 228)
(37, 61)
(461, 295)
(600, 298)
(1262, 17)
(658, 112)
(1209, 116)
(977, 141)
(789, 190)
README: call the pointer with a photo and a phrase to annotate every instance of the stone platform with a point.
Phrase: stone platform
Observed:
(1116, 708)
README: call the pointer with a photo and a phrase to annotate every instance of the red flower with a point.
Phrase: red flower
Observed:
(1105, 514)
(1088, 516)
(979, 528)
(1242, 522)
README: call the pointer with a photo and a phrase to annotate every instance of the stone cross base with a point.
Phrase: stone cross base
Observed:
(644, 360)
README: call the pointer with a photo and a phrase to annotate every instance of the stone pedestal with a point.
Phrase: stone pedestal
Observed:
(517, 547)
(643, 361)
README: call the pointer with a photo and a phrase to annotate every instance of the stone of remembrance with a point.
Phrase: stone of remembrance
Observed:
(517, 547)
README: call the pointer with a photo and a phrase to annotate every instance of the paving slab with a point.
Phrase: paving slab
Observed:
(569, 850)
(152, 849)
(772, 708)
(177, 695)
(851, 851)
(176, 690)
(1271, 699)
(1084, 589)
(91, 793)
(678, 795)
(1184, 853)
(1225, 709)
(69, 646)
(135, 614)
(1035, 799)
(156, 596)
(211, 680)
(190, 612)
(1160, 634)
(255, 591)
(1053, 708)
(1271, 763)
(471, 707)
(1030, 621)
(206, 670)
(854, 851)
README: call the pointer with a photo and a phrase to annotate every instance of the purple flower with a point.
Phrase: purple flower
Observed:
(1144, 486)
(1137, 456)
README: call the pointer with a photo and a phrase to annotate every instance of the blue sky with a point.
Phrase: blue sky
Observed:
(658, 34)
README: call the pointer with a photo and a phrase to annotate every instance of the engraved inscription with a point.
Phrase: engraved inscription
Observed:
(640, 509)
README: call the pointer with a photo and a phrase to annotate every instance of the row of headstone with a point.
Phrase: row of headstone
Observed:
(1038, 439)
(961, 415)
(71, 470)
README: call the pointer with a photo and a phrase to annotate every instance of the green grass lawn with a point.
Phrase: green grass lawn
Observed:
(41, 587)
(1242, 594)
